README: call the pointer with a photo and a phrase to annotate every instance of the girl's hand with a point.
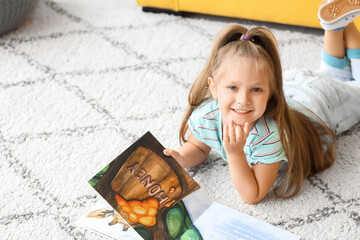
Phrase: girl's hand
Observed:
(234, 137)
(173, 153)
(191, 153)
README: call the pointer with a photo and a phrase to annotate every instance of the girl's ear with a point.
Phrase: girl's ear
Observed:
(212, 87)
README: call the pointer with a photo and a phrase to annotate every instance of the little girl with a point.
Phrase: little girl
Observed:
(239, 107)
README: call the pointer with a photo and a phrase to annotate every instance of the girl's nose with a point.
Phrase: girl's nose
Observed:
(242, 98)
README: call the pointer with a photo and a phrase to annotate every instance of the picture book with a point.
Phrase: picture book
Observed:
(149, 195)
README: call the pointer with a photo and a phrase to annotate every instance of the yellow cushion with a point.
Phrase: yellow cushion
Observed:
(293, 12)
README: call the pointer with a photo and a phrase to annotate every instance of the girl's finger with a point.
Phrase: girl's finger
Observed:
(168, 152)
(171, 153)
(225, 133)
(238, 133)
(232, 137)
(247, 129)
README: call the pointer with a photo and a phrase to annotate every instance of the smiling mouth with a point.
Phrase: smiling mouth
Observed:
(242, 111)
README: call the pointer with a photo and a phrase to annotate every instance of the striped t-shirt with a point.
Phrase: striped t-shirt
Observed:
(263, 145)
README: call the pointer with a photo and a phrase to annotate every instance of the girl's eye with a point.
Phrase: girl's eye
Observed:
(256, 90)
(232, 88)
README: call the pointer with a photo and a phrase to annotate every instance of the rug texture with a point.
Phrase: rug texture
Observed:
(80, 81)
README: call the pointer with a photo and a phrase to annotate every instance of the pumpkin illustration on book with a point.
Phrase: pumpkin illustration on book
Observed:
(144, 185)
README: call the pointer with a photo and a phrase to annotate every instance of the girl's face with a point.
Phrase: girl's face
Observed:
(242, 91)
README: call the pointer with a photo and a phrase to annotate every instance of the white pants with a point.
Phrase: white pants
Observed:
(335, 101)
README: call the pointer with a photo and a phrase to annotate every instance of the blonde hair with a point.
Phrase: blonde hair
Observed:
(300, 136)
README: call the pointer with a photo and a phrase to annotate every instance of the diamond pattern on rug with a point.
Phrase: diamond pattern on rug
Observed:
(80, 82)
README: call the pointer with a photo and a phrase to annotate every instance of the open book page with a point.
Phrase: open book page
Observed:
(197, 203)
(104, 220)
(221, 222)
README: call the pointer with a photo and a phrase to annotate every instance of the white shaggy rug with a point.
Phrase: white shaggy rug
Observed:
(82, 80)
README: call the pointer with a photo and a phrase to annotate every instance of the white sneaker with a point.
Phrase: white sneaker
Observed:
(335, 14)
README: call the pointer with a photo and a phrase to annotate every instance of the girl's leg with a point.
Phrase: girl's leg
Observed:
(334, 62)
(351, 36)
(334, 43)
(341, 39)
(340, 102)
(334, 102)
(352, 43)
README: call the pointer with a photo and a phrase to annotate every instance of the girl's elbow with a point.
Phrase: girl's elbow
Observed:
(252, 201)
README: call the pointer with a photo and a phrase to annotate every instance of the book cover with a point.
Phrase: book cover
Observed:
(146, 188)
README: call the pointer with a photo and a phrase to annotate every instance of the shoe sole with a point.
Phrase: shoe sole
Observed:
(334, 10)
(338, 13)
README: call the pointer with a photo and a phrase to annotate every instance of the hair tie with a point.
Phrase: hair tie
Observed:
(246, 38)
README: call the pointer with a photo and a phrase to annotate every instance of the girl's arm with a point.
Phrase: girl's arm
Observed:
(254, 182)
(191, 153)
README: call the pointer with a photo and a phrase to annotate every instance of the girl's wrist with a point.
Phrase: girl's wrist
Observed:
(236, 155)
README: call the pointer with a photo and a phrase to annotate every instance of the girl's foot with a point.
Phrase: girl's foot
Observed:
(337, 14)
